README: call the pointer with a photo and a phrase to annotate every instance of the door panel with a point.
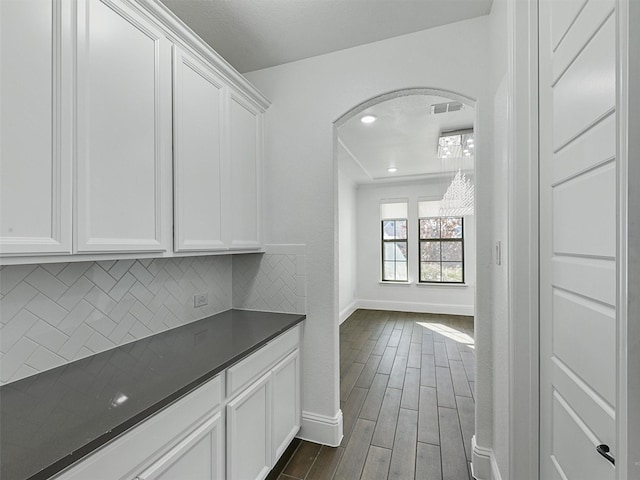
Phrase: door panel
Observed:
(587, 90)
(572, 437)
(563, 14)
(577, 238)
(591, 149)
(593, 194)
(579, 325)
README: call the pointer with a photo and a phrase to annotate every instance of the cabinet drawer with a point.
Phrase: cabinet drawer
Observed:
(240, 374)
(145, 443)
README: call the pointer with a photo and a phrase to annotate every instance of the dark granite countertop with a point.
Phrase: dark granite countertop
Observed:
(51, 420)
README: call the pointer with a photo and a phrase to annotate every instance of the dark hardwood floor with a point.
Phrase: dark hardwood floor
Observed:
(406, 392)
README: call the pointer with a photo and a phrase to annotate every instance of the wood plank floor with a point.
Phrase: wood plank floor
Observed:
(406, 393)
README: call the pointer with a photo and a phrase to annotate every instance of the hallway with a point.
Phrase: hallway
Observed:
(406, 393)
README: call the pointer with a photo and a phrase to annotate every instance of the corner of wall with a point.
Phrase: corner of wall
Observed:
(347, 311)
(483, 463)
(321, 428)
(273, 281)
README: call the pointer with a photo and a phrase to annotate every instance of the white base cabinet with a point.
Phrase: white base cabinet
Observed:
(285, 404)
(264, 418)
(184, 437)
(197, 457)
(234, 427)
(249, 424)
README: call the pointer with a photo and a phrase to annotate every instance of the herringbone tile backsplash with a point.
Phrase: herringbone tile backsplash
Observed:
(274, 281)
(52, 314)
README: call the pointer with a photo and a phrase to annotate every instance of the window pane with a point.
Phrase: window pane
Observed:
(430, 251)
(401, 229)
(389, 271)
(401, 271)
(401, 251)
(430, 271)
(429, 228)
(452, 251)
(389, 252)
(451, 272)
(452, 228)
(388, 229)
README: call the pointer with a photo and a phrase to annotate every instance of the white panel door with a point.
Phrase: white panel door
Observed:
(286, 403)
(245, 163)
(249, 432)
(199, 100)
(35, 126)
(198, 457)
(124, 130)
(577, 238)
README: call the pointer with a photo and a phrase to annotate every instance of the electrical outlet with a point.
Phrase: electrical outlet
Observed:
(200, 300)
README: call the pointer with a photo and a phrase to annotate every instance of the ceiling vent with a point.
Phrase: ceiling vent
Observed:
(437, 108)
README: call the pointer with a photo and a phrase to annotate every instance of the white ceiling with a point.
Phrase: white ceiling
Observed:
(255, 34)
(404, 136)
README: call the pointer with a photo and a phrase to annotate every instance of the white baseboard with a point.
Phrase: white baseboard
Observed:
(321, 429)
(344, 314)
(483, 463)
(416, 307)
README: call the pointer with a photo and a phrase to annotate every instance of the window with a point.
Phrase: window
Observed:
(441, 250)
(394, 242)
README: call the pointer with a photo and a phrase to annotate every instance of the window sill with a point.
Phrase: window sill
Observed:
(396, 284)
(440, 285)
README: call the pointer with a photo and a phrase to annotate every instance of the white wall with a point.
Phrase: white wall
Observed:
(500, 279)
(347, 248)
(308, 97)
(493, 360)
(374, 294)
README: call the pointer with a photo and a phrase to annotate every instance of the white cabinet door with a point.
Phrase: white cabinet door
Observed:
(286, 403)
(198, 457)
(124, 130)
(35, 126)
(199, 100)
(246, 175)
(249, 432)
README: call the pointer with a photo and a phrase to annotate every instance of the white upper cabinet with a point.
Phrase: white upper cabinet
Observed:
(35, 127)
(246, 172)
(124, 130)
(199, 134)
(112, 146)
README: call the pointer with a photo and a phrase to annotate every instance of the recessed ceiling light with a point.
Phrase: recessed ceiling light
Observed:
(392, 169)
(368, 119)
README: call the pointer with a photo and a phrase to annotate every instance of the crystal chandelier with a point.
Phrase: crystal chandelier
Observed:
(458, 200)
